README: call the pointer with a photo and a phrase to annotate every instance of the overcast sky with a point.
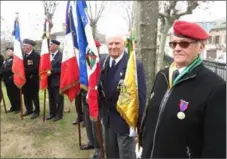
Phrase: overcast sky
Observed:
(32, 16)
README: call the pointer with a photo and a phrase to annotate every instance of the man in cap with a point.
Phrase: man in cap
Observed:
(12, 91)
(185, 115)
(31, 87)
(56, 101)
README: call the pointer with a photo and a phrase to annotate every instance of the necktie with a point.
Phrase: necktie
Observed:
(52, 56)
(175, 74)
(113, 63)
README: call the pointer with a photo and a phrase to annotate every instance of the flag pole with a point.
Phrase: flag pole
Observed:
(100, 139)
(79, 115)
(3, 99)
(21, 102)
(47, 35)
(21, 105)
(138, 125)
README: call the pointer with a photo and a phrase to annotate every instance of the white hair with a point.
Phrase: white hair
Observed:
(114, 34)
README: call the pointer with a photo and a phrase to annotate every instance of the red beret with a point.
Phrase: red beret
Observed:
(189, 30)
(97, 43)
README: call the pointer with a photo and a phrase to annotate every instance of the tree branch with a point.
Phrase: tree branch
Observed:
(191, 6)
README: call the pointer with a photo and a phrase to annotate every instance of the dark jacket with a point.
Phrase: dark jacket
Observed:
(54, 78)
(1, 63)
(110, 115)
(202, 133)
(31, 67)
(6, 71)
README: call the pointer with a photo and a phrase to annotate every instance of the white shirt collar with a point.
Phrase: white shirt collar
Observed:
(55, 52)
(29, 53)
(181, 69)
(116, 60)
(52, 55)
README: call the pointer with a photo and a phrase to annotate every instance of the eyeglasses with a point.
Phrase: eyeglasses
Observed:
(182, 44)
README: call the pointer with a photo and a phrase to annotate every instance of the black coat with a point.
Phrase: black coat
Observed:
(1, 63)
(31, 66)
(203, 131)
(6, 71)
(54, 78)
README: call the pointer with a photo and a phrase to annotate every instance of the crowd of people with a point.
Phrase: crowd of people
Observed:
(185, 116)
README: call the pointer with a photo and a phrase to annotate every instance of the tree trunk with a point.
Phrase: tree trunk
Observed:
(161, 50)
(146, 33)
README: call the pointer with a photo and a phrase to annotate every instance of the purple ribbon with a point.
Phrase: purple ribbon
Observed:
(183, 105)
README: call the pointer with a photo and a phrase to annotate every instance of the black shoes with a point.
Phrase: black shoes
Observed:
(97, 155)
(88, 146)
(27, 113)
(9, 111)
(75, 122)
(50, 117)
(56, 119)
(34, 115)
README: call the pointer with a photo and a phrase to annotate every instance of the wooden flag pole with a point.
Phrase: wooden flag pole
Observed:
(21, 105)
(47, 34)
(100, 139)
(81, 98)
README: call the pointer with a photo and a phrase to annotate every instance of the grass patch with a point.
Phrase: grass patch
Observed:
(34, 138)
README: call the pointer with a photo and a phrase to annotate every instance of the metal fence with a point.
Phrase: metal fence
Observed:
(219, 68)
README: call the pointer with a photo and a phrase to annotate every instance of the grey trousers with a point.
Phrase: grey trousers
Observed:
(119, 145)
(88, 124)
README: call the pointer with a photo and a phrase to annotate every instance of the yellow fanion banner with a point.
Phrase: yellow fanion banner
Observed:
(128, 101)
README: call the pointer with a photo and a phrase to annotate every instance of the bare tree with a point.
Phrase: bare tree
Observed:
(95, 11)
(49, 9)
(169, 12)
(146, 32)
(127, 7)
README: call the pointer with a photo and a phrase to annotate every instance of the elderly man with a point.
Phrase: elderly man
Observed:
(56, 101)
(118, 143)
(185, 116)
(31, 87)
(7, 75)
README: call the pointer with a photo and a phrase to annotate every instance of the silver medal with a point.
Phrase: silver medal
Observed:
(180, 115)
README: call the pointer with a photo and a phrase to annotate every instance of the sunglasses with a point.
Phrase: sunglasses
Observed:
(182, 44)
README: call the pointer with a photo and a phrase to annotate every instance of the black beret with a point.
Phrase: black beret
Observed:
(29, 42)
(9, 48)
(55, 42)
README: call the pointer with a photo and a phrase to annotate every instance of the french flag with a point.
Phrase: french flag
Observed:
(88, 47)
(45, 64)
(18, 63)
(70, 77)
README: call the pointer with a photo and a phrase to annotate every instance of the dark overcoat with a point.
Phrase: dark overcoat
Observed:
(31, 68)
(202, 133)
(54, 78)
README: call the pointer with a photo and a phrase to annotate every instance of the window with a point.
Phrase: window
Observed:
(210, 40)
(217, 40)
